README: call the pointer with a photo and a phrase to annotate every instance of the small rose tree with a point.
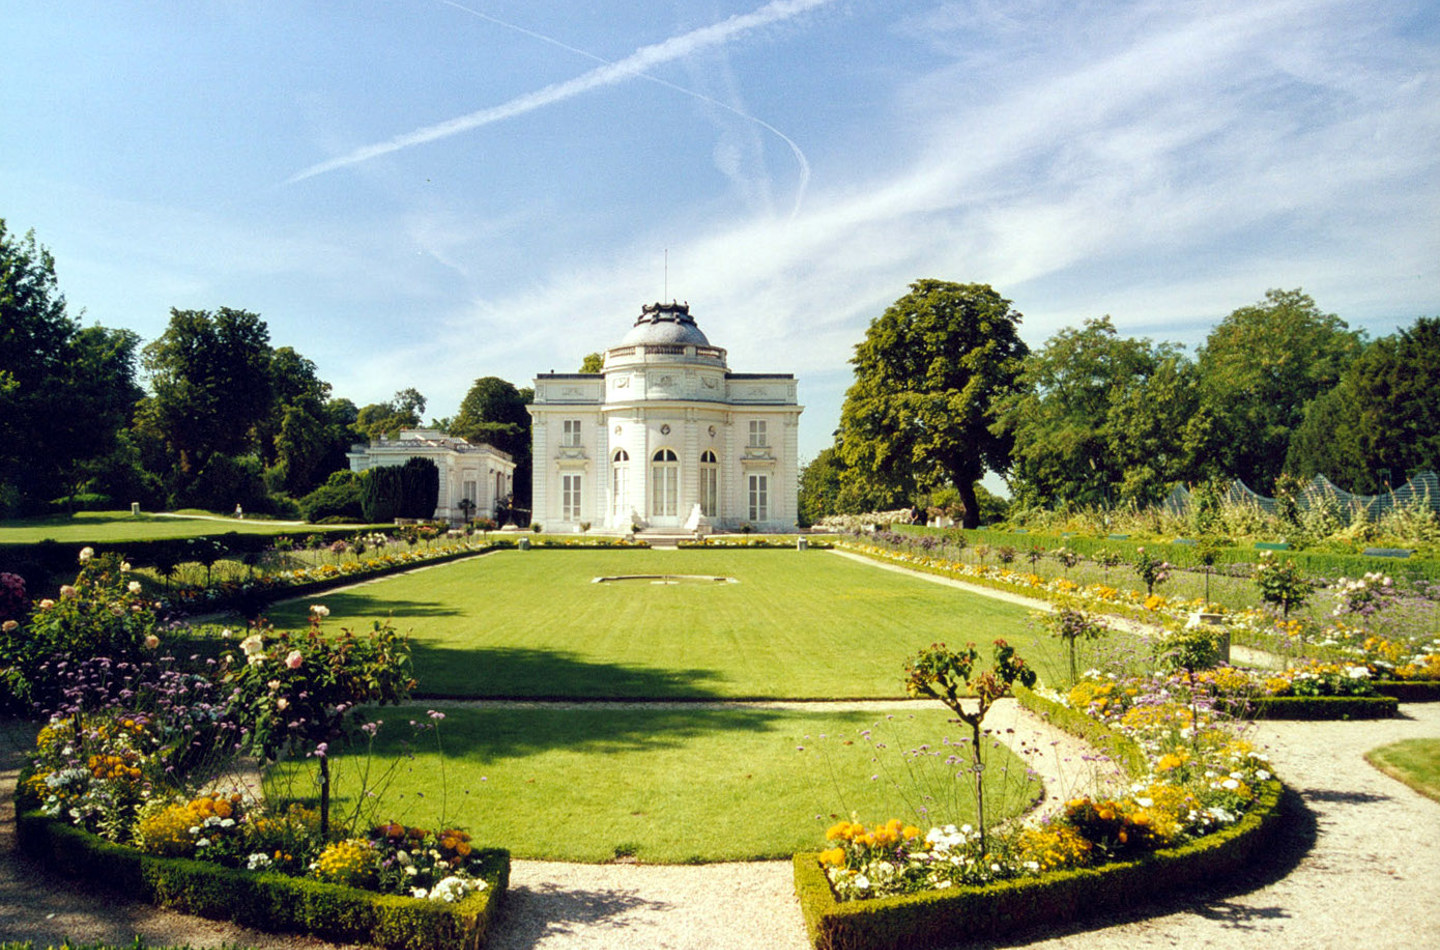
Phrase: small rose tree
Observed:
(1070, 624)
(1283, 586)
(1281, 583)
(304, 691)
(1150, 569)
(944, 674)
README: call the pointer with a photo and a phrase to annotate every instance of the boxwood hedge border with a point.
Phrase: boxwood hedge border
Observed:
(1316, 707)
(943, 918)
(1410, 691)
(267, 900)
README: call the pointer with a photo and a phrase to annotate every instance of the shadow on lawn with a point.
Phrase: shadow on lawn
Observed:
(355, 609)
(489, 734)
(519, 673)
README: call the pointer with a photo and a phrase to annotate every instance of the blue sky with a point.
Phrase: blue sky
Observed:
(420, 192)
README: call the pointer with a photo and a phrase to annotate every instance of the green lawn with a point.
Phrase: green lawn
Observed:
(798, 625)
(664, 785)
(92, 527)
(681, 782)
(1416, 762)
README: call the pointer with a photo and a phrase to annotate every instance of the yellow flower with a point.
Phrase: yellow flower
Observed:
(835, 857)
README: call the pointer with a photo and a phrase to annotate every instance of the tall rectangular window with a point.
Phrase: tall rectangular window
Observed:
(570, 497)
(664, 484)
(570, 438)
(757, 434)
(759, 498)
(620, 492)
(709, 487)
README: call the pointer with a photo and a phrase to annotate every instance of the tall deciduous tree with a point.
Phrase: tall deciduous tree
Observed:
(387, 418)
(211, 383)
(1060, 417)
(295, 438)
(1380, 424)
(1258, 369)
(65, 391)
(493, 411)
(820, 487)
(927, 377)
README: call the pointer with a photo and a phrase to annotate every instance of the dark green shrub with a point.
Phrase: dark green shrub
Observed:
(419, 489)
(380, 494)
(339, 498)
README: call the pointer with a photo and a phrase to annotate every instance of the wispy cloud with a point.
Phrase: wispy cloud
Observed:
(800, 160)
(631, 67)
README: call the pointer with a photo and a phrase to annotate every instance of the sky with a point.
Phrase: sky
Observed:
(419, 193)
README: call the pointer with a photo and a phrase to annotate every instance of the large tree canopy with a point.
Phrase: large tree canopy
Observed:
(211, 383)
(1258, 369)
(927, 375)
(1058, 418)
(387, 418)
(493, 411)
(65, 391)
(1380, 425)
(1101, 418)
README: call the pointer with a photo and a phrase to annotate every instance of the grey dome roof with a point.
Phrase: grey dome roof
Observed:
(665, 323)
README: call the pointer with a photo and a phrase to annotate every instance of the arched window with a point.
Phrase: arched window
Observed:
(620, 482)
(664, 484)
(709, 484)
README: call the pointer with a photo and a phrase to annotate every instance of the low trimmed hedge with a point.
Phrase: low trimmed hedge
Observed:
(1113, 744)
(1316, 707)
(1410, 691)
(943, 918)
(268, 900)
(957, 914)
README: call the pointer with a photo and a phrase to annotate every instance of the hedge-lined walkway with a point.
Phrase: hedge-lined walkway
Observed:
(1359, 863)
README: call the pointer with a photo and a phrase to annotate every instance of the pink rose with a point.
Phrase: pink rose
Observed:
(294, 660)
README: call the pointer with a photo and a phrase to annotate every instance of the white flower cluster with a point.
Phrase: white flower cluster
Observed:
(450, 889)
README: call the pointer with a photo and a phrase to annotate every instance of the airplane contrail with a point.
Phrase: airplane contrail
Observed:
(800, 158)
(630, 67)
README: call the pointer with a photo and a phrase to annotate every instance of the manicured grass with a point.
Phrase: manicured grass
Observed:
(90, 527)
(669, 785)
(798, 625)
(1416, 762)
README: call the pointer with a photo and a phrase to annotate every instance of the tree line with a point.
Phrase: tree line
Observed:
(945, 390)
(210, 415)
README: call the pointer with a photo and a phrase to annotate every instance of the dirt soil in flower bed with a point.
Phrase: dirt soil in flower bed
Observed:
(1359, 861)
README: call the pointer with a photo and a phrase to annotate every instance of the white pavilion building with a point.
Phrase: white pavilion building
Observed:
(665, 438)
(473, 476)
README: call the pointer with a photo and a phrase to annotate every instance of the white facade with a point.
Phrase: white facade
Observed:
(665, 437)
(481, 473)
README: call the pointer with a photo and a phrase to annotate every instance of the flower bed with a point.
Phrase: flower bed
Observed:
(260, 591)
(1417, 662)
(268, 900)
(1001, 907)
(122, 785)
(761, 543)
